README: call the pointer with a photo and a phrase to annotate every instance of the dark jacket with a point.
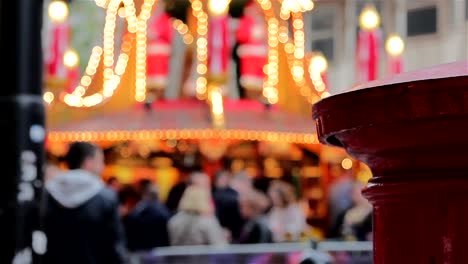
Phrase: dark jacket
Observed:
(174, 196)
(81, 221)
(228, 212)
(146, 226)
(256, 231)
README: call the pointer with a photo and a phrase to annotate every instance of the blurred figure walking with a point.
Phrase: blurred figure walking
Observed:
(81, 217)
(146, 224)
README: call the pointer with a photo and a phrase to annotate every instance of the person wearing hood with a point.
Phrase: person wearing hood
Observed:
(81, 218)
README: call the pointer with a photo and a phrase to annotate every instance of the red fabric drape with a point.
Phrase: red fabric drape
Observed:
(59, 43)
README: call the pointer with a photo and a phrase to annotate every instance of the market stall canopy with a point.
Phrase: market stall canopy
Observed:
(190, 119)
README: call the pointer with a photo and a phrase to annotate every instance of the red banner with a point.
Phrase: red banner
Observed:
(59, 43)
(368, 51)
(395, 65)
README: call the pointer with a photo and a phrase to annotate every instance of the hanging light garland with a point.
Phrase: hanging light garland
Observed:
(270, 86)
(113, 71)
(137, 30)
(202, 47)
(295, 51)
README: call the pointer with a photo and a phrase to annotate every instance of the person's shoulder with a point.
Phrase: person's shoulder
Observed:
(108, 197)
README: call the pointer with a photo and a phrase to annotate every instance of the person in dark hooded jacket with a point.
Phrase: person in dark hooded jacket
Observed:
(81, 219)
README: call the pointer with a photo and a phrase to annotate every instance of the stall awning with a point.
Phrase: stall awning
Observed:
(244, 120)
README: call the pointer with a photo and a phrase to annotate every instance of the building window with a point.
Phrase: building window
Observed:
(466, 9)
(325, 46)
(422, 21)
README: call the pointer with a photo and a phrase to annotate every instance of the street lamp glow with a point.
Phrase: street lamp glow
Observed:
(58, 11)
(395, 45)
(71, 58)
(218, 7)
(369, 18)
(319, 63)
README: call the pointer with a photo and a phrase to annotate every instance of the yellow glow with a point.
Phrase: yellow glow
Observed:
(58, 11)
(217, 102)
(347, 164)
(218, 7)
(369, 18)
(48, 97)
(319, 63)
(295, 6)
(300, 138)
(325, 95)
(395, 45)
(71, 58)
(201, 45)
(121, 12)
(113, 70)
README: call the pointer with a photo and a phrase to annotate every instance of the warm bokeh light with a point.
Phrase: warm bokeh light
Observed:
(369, 18)
(272, 136)
(395, 45)
(347, 164)
(71, 58)
(58, 11)
(48, 97)
(114, 66)
(319, 63)
(218, 7)
(295, 6)
(121, 12)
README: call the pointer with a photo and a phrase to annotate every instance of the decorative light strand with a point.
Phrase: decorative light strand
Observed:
(217, 107)
(270, 90)
(295, 48)
(112, 71)
(225, 134)
(183, 30)
(202, 47)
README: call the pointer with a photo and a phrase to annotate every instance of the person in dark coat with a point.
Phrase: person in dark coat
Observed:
(81, 219)
(146, 224)
(226, 200)
(255, 230)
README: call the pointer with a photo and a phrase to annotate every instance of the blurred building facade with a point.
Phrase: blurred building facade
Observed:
(434, 32)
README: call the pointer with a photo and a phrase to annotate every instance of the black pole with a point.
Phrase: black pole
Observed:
(22, 131)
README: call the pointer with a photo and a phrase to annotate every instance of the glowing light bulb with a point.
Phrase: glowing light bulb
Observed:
(58, 11)
(347, 164)
(318, 63)
(395, 45)
(218, 7)
(71, 58)
(48, 97)
(369, 18)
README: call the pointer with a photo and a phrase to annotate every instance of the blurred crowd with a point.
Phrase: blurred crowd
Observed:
(200, 212)
(104, 220)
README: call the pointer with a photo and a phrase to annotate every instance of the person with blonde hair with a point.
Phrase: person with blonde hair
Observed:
(195, 222)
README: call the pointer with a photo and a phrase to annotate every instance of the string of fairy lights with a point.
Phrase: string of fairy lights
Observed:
(183, 134)
(136, 36)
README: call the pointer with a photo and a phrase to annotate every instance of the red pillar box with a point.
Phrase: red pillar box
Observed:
(412, 131)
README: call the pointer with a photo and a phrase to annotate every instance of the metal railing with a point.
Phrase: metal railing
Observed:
(316, 252)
